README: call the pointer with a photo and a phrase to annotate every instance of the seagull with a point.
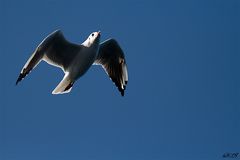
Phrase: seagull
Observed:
(76, 59)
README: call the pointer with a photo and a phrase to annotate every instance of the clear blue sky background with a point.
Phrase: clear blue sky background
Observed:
(183, 97)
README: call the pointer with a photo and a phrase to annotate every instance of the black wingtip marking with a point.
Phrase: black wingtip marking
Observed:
(20, 77)
(118, 85)
(122, 93)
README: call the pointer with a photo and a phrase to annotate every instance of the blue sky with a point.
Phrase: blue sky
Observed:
(181, 102)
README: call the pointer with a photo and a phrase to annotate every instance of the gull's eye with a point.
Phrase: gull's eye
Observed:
(92, 34)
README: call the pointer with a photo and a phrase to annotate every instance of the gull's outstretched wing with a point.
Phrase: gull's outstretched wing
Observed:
(111, 57)
(55, 50)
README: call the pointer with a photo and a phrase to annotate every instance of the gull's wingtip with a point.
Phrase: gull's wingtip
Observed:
(17, 82)
(20, 77)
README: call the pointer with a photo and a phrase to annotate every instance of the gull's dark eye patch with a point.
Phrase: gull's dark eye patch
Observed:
(92, 34)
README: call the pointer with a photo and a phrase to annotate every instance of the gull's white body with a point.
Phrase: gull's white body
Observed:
(75, 59)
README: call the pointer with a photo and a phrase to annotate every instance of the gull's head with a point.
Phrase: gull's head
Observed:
(93, 38)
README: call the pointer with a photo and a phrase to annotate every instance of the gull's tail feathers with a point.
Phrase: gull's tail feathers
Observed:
(64, 86)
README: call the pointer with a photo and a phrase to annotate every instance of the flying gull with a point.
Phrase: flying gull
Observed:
(76, 59)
